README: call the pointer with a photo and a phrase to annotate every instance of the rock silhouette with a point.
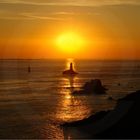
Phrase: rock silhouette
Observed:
(92, 87)
(123, 122)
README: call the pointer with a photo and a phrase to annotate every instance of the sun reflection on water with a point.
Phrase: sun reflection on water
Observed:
(71, 107)
(68, 96)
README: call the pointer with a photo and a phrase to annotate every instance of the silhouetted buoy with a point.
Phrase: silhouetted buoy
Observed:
(29, 69)
(70, 71)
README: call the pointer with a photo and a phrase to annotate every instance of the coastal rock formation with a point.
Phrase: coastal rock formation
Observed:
(92, 87)
(121, 122)
(128, 126)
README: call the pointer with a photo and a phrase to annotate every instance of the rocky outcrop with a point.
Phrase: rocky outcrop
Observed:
(128, 126)
(92, 87)
(121, 122)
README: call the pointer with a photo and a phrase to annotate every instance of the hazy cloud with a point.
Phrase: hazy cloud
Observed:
(26, 16)
(63, 13)
(71, 2)
(33, 16)
(53, 9)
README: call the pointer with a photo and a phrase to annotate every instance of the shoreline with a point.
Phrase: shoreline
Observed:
(121, 122)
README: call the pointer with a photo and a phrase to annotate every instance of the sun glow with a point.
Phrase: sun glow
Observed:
(70, 42)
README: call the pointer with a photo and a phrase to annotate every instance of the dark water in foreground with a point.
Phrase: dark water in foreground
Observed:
(32, 105)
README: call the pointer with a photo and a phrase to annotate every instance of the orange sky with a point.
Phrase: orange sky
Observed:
(110, 29)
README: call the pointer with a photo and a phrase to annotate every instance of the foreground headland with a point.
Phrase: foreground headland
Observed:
(121, 122)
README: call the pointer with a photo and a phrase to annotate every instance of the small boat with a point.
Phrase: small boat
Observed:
(70, 71)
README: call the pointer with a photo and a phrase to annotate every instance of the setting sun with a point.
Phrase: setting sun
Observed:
(69, 42)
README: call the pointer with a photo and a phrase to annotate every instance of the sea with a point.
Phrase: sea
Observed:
(34, 104)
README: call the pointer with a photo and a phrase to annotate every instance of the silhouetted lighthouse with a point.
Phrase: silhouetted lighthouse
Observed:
(70, 71)
(71, 67)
